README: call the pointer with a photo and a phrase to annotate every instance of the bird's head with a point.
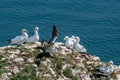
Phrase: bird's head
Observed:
(77, 39)
(110, 62)
(24, 31)
(36, 29)
(66, 38)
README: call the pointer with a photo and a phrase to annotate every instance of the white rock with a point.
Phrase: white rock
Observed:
(59, 44)
(45, 63)
(19, 61)
(87, 77)
(9, 73)
(17, 52)
(52, 72)
(3, 59)
(89, 62)
(34, 65)
(12, 56)
(118, 77)
(48, 60)
(38, 43)
(21, 68)
(30, 60)
(14, 52)
(95, 58)
(37, 74)
(24, 53)
(30, 46)
(15, 70)
(46, 75)
(74, 72)
(4, 77)
(6, 67)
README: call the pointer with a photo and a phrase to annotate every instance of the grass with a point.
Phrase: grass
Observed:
(74, 78)
(113, 75)
(2, 64)
(68, 73)
(20, 76)
(59, 68)
(30, 69)
(2, 71)
(29, 73)
(74, 66)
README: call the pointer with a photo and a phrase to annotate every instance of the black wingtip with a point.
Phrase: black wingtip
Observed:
(8, 41)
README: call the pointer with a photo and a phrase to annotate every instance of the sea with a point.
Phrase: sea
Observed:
(96, 22)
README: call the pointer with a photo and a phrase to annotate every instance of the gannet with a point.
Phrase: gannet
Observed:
(73, 39)
(19, 39)
(69, 43)
(108, 69)
(35, 37)
(79, 47)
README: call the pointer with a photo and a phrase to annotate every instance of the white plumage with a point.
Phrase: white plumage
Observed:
(69, 42)
(35, 37)
(79, 47)
(73, 39)
(107, 69)
(19, 39)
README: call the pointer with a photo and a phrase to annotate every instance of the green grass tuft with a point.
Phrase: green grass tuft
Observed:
(68, 73)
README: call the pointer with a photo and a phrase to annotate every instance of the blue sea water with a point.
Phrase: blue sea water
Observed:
(96, 22)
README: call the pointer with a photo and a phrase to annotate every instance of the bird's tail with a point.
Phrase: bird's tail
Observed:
(8, 41)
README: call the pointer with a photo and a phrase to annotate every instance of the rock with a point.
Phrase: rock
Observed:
(24, 53)
(38, 74)
(38, 43)
(21, 69)
(14, 52)
(17, 52)
(34, 65)
(95, 58)
(89, 62)
(15, 70)
(30, 60)
(3, 59)
(45, 63)
(7, 68)
(52, 72)
(47, 76)
(48, 60)
(4, 77)
(74, 72)
(19, 61)
(30, 46)
(12, 56)
(118, 76)
(9, 74)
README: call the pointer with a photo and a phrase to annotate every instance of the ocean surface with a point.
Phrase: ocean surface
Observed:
(96, 22)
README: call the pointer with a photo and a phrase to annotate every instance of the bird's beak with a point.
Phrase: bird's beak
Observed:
(64, 39)
(27, 32)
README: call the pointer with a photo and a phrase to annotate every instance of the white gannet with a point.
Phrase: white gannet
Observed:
(79, 47)
(69, 43)
(73, 39)
(108, 69)
(19, 39)
(35, 37)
